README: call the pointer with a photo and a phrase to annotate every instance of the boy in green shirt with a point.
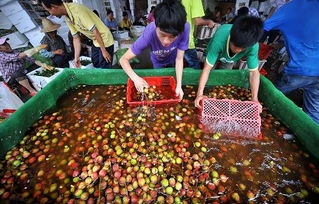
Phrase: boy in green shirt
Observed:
(229, 44)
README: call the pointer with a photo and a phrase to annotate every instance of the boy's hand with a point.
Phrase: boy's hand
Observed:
(77, 62)
(179, 92)
(198, 99)
(260, 107)
(140, 84)
(211, 24)
(106, 56)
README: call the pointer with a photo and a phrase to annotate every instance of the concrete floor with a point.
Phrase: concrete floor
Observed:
(144, 58)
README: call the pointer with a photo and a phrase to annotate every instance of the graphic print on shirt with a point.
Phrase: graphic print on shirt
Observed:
(224, 60)
(162, 54)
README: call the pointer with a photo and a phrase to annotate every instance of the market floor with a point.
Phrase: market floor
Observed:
(144, 58)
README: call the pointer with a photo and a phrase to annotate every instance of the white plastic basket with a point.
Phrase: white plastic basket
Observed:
(89, 66)
(39, 82)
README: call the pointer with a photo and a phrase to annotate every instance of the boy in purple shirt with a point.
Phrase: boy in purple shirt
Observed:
(168, 39)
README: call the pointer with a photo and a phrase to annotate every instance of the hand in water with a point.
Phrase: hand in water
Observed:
(179, 92)
(140, 84)
(198, 99)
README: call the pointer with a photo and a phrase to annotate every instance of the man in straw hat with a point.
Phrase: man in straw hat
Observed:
(56, 48)
(81, 19)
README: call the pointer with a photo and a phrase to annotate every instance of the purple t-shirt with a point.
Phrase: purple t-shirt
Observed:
(160, 55)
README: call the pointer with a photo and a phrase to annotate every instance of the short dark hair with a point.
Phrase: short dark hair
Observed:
(96, 13)
(49, 3)
(170, 17)
(243, 11)
(108, 11)
(124, 13)
(246, 31)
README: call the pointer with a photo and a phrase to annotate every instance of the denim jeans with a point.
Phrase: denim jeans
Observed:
(191, 58)
(287, 83)
(98, 59)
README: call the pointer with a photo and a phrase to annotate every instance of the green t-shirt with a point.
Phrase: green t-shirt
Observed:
(194, 9)
(218, 48)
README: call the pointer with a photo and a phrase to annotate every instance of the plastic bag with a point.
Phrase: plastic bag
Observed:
(8, 99)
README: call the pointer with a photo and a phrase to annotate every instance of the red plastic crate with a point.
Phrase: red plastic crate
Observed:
(158, 81)
(264, 51)
(231, 117)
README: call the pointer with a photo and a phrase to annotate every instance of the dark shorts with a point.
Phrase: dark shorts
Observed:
(98, 59)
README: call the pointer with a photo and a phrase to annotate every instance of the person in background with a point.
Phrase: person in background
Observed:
(56, 47)
(129, 14)
(150, 17)
(110, 21)
(195, 12)
(167, 39)
(229, 44)
(229, 15)
(81, 19)
(245, 11)
(302, 71)
(126, 22)
(217, 18)
(11, 66)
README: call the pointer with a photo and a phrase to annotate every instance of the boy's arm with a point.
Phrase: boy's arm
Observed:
(213, 51)
(139, 82)
(202, 82)
(254, 76)
(139, 45)
(179, 73)
(99, 40)
(77, 50)
(254, 79)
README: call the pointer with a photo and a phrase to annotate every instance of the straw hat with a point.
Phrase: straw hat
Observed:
(49, 26)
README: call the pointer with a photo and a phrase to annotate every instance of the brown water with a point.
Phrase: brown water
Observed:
(94, 148)
(154, 94)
